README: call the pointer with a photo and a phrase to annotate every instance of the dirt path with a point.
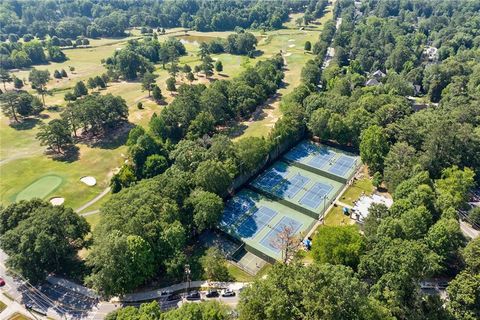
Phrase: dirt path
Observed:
(89, 203)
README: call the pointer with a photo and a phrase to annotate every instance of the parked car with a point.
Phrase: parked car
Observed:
(228, 293)
(193, 295)
(212, 294)
(165, 293)
(173, 297)
(2, 282)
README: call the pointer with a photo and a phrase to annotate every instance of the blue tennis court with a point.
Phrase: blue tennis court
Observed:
(314, 197)
(292, 186)
(342, 165)
(256, 222)
(271, 236)
(321, 159)
(235, 208)
(300, 152)
(270, 179)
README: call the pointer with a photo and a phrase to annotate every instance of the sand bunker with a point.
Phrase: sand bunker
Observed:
(287, 54)
(291, 40)
(57, 201)
(89, 181)
(291, 46)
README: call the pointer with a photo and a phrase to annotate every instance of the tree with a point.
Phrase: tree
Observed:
(454, 186)
(338, 245)
(373, 147)
(155, 164)
(474, 216)
(15, 104)
(214, 265)
(471, 255)
(212, 176)
(80, 89)
(399, 164)
(318, 123)
(206, 310)
(39, 80)
(295, 291)
(148, 80)
(287, 242)
(445, 239)
(64, 73)
(57, 74)
(308, 46)
(218, 66)
(101, 81)
(145, 214)
(91, 84)
(171, 84)
(120, 263)
(157, 93)
(251, 153)
(207, 66)
(464, 296)
(190, 77)
(17, 83)
(5, 77)
(207, 208)
(41, 238)
(56, 134)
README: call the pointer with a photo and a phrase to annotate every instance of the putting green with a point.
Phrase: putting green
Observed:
(40, 188)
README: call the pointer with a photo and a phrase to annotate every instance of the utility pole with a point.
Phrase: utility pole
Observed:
(187, 278)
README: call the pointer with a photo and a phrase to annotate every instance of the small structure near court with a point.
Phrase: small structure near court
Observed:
(89, 181)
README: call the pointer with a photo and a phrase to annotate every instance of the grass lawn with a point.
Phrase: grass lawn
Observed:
(238, 274)
(335, 217)
(354, 192)
(93, 219)
(3, 306)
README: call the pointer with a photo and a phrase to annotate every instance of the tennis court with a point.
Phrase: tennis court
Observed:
(269, 240)
(321, 158)
(235, 209)
(342, 165)
(263, 222)
(316, 195)
(300, 189)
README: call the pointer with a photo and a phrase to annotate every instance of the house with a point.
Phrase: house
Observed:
(430, 53)
(378, 75)
(372, 82)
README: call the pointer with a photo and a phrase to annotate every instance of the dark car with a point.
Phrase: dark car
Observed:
(194, 295)
(228, 293)
(212, 294)
(173, 297)
(2, 282)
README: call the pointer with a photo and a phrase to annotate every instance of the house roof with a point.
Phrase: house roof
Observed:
(372, 82)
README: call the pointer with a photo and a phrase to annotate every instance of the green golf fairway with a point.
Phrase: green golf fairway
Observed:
(40, 188)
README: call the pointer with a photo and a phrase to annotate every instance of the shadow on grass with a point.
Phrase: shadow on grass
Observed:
(25, 124)
(71, 154)
(114, 138)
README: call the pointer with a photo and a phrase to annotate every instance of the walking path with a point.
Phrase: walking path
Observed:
(89, 203)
